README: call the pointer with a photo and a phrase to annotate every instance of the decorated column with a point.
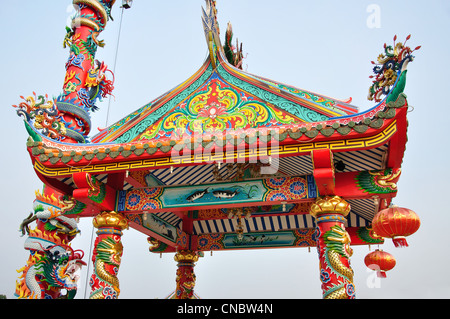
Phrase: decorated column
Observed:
(185, 273)
(68, 117)
(52, 265)
(107, 255)
(85, 81)
(333, 245)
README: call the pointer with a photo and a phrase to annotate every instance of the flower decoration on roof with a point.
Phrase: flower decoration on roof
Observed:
(388, 67)
(209, 17)
(217, 108)
(212, 111)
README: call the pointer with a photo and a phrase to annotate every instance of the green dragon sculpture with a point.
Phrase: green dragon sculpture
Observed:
(107, 259)
(53, 264)
(107, 255)
(233, 54)
(337, 254)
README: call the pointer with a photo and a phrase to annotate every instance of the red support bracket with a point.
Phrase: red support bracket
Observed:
(93, 192)
(324, 171)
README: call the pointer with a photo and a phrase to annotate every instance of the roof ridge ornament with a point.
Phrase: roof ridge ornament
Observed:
(234, 54)
(209, 17)
(211, 29)
(390, 71)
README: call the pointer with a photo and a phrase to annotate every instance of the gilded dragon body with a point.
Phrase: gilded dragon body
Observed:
(107, 259)
(337, 254)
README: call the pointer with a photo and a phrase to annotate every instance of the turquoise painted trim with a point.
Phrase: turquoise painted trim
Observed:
(140, 127)
(295, 109)
(259, 240)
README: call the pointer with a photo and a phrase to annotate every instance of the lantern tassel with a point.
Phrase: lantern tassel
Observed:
(400, 242)
(381, 274)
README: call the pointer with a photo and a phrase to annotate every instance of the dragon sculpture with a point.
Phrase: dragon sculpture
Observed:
(185, 273)
(53, 264)
(107, 255)
(379, 182)
(43, 114)
(390, 69)
(68, 117)
(185, 283)
(337, 253)
(233, 54)
(99, 86)
(107, 258)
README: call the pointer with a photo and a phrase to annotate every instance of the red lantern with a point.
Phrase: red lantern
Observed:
(380, 261)
(396, 223)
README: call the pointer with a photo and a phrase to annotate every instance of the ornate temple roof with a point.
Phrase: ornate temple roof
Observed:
(220, 97)
(179, 138)
(220, 103)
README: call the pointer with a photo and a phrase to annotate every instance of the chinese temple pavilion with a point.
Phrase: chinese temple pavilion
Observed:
(226, 160)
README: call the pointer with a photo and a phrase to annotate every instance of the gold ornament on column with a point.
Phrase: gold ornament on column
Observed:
(186, 256)
(110, 219)
(329, 204)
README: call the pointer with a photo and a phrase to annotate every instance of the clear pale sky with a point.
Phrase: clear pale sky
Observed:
(321, 46)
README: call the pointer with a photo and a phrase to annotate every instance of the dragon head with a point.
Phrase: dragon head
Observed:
(59, 268)
(339, 240)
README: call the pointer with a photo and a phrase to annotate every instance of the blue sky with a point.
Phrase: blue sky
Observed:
(321, 46)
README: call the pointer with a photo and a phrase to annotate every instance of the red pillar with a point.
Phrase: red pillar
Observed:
(85, 80)
(333, 245)
(48, 270)
(107, 255)
(185, 273)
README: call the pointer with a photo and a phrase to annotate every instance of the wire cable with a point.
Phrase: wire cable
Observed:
(115, 63)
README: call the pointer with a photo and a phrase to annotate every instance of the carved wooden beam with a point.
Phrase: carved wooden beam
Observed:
(258, 192)
(93, 192)
(284, 238)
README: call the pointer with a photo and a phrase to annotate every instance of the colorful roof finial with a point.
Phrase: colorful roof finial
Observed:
(210, 17)
(233, 53)
(389, 66)
(211, 28)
